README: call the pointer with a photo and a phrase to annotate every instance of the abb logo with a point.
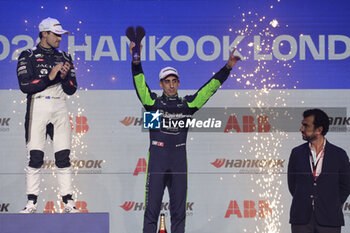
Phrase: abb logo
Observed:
(132, 120)
(51, 208)
(249, 209)
(141, 166)
(248, 124)
(81, 125)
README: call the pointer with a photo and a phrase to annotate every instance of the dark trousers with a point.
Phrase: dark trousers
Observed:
(314, 227)
(166, 169)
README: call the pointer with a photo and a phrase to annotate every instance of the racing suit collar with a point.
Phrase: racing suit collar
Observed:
(46, 50)
(169, 98)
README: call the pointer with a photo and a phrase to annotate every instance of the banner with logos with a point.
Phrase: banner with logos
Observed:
(284, 45)
(295, 56)
(242, 172)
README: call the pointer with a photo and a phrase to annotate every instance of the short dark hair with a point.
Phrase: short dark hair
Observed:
(321, 119)
(41, 34)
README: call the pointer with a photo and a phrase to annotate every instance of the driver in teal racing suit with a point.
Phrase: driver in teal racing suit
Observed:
(167, 162)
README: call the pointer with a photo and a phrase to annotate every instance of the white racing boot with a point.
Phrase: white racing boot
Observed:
(70, 207)
(30, 208)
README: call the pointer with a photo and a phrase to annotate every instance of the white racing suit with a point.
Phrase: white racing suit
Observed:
(46, 114)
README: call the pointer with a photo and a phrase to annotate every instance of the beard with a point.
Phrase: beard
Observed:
(310, 138)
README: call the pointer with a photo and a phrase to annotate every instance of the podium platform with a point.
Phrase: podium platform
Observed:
(55, 223)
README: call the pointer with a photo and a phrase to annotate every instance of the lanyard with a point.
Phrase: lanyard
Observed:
(315, 160)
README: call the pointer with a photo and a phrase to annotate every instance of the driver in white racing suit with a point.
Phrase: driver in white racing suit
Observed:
(47, 76)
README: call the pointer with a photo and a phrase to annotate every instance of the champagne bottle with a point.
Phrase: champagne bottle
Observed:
(162, 228)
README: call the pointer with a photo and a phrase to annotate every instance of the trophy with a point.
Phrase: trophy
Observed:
(162, 228)
(136, 35)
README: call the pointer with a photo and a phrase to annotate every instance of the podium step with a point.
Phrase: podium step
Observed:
(55, 223)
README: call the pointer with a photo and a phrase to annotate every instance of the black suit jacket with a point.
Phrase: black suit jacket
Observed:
(329, 192)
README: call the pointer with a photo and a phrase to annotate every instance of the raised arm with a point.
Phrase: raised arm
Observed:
(197, 100)
(146, 96)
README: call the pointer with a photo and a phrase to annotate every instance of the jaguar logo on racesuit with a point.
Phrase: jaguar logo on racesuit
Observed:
(44, 66)
(44, 71)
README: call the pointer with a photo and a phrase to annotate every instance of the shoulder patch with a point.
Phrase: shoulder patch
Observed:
(30, 51)
(65, 55)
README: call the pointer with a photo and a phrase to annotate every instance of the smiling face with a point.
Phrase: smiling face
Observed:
(308, 130)
(170, 85)
(50, 40)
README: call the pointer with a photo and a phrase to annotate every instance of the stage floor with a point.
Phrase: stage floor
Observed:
(55, 223)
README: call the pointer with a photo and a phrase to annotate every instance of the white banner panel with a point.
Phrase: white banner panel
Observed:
(237, 181)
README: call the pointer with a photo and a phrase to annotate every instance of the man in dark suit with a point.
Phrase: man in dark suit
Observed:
(318, 179)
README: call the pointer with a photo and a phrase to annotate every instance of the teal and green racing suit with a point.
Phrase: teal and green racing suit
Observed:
(167, 162)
